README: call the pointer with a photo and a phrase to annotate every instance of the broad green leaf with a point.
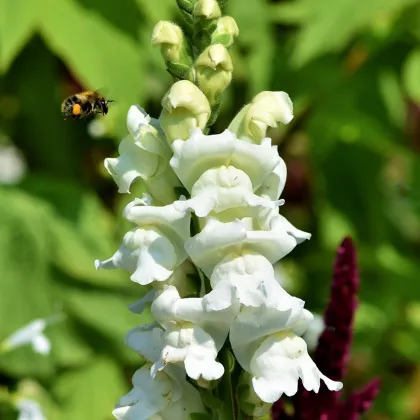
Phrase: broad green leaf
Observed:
(90, 392)
(17, 24)
(328, 26)
(411, 74)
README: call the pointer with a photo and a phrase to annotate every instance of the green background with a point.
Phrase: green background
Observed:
(352, 69)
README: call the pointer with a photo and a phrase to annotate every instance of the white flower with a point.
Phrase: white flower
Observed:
(218, 239)
(279, 362)
(143, 154)
(200, 153)
(185, 107)
(248, 277)
(152, 252)
(161, 396)
(265, 110)
(223, 188)
(29, 410)
(265, 344)
(194, 334)
(29, 334)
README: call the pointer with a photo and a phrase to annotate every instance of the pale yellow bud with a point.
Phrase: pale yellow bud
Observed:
(184, 107)
(166, 32)
(175, 49)
(214, 71)
(226, 31)
(265, 110)
(207, 9)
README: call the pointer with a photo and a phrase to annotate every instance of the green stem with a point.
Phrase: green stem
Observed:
(227, 412)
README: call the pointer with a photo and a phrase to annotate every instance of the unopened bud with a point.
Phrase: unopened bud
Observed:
(174, 47)
(184, 107)
(214, 71)
(265, 110)
(207, 9)
(226, 31)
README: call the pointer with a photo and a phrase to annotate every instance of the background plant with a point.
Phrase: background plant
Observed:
(351, 69)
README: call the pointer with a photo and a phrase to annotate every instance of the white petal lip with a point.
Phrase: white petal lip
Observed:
(195, 348)
(145, 253)
(147, 397)
(132, 163)
(173, 223)
(218, 239)
(248, 277)
(222, 189)
(279, 362)
(199, 153)
(136, 117)
(253, 324)
(139, 306)
(146, 340)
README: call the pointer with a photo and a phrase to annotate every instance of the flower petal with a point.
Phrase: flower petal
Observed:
(201, 153)
(145, 253)
(148, 397)
(132, 163)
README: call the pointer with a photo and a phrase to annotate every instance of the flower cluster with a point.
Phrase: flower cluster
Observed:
(234, 181)
(226, 230)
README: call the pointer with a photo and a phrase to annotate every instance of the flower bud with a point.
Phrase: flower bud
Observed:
(184, 107)
(214, 71)
(265, 110)
(174, 47)
(207, 9)
(226, 31)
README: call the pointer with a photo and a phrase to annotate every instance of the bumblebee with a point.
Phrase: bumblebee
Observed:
(84, 104)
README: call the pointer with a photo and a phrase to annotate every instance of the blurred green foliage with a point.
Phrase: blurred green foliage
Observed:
(352, 69)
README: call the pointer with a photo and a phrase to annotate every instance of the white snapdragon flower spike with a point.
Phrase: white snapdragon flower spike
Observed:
(29, 334)
(217, 239)
(194, 333)
(266, 344)
(153, 250)
(200, 153)
(249, 278)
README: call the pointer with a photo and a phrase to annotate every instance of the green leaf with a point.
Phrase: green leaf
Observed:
(91, 392)
(69, 348)
(106, 313)
(411, 75)
(328, 26)
(118, 67)
(17, 24)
